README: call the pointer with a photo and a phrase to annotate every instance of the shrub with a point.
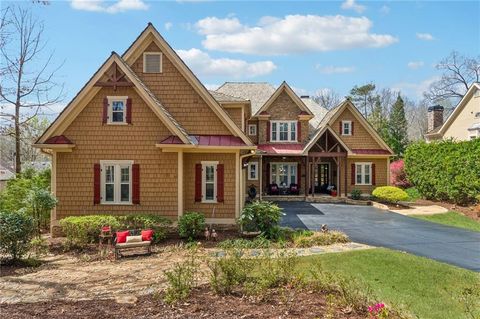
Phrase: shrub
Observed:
(445, 170)
(228, 272)
(39, 203)
(320, 239)
(158, 224)
(16, 231)
(261, 216)
(398, 176)
(181, 280)
(191, 225)
(83, 230)
(356, 194)
(390, 194)
(256, 243)
(413, 194)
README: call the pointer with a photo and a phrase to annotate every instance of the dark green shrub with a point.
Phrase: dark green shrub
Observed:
(356, 194)
(390, 194)
(261, 216)
(191, 225)
(158, 224)
(16, 231)
(83, 230)
(446, 170)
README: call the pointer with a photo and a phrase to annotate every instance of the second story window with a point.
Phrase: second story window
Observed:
(117, 109)
(283, 131)
(346, 127)
(152, 62)
(252, 129)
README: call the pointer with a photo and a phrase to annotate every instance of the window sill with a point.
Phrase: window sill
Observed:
(363, 185)
(284, 142)
(209, 202)
(115, 123)
(252, 179)
(121, 204)
(346, 134)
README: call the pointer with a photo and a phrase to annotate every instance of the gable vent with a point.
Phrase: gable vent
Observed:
(152, 62)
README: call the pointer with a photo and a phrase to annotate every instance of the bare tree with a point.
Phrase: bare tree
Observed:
(27, 84)
(459, 72)
(416, 114)
(327, 98)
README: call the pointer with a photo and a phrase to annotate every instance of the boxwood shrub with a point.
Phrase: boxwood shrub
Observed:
(16, 230)
(191, 225)
(445, 170)
(390, 194)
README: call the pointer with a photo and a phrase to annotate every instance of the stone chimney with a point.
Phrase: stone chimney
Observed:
(435, 117)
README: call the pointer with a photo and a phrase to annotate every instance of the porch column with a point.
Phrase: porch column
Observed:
(345, 169)
(238, 185)
(306, 177)
(260, 175)
(313, 176)
(53, 188)
(339, 192)
(180, 183)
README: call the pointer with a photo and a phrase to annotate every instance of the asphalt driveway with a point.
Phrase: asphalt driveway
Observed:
(372, 226)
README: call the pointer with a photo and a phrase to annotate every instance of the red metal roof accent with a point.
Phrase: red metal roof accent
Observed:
(285, 149)
(371, 151)
(60, 139)
(208, 140)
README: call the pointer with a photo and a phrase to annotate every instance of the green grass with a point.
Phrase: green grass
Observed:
(452, 219)
(426, 288)
(413, 194)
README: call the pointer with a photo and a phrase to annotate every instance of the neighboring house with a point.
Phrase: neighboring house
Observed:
(145, 136)
(463, 124)
(6, 173)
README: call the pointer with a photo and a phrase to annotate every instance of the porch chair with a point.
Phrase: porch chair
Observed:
(273, 189)
(294, 189)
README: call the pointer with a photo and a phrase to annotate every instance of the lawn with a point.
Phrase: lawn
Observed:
(426, 288)
(452, 219)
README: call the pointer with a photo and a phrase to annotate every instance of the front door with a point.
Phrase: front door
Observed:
(322, 178)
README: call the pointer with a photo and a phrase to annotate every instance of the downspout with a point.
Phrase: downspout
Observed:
(242, 190)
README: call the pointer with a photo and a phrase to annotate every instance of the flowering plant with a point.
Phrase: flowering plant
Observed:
(378, 311)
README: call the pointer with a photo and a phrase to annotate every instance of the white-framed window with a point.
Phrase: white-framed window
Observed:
(283, 174)
(346, 127)
(152, 62)
(252, 129)
(363, 173)
(209, 182)
(252, 171)
(116, 182)
(283, 131)
(117, 109)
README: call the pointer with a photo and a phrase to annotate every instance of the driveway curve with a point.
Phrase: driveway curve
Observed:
(376, 227)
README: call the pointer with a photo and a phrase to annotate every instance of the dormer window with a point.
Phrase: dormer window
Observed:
(283, 131)
(346, 128)
(152, 62)
(117, 109)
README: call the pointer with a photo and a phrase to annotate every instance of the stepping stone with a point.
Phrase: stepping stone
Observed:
(255, 253)
(128, 299)
(316, 250)
(218, 254)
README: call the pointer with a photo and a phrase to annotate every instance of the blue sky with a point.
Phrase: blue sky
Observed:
(312, 45)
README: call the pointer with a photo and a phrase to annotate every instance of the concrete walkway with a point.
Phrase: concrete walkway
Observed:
(421, 210)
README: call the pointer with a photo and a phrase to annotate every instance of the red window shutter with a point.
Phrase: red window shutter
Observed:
(96, 184)
(198, 182)
(129, 111)
(105, 110)
(268, 174)
(220, 183)
(373, 174)
(268, 131)
(299, 131)
(352, 128)
(299, 171)
(341, 128)
(136, 184)
(353, 174)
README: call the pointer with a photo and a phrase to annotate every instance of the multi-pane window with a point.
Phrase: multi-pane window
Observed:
(252, 129)
(283, 131)
(283, 174)
(363, 173)
(209, 182)
(116, 182)
(253, 171)
(117, 106)
(346, 127)
(152, 62)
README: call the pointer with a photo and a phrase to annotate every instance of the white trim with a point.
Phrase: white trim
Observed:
(289, 131)
(317, 135)
(118, 164)
(250, 126)
(249, 170)
(214, 164)
(362, 176)
(180, 183)
(112, 99)
(349, 128)
(144, 61)
(289, 176)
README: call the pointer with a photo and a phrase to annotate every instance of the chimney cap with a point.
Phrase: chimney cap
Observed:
(435, 108)
(305, 96)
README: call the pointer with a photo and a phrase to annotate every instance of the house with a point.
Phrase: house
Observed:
(462, 124)
(6, 173)
(144, 135)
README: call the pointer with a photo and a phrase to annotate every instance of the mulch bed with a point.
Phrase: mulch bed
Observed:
(470, 211)
(202, 304)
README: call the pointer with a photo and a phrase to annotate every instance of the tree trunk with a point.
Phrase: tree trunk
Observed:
(18, 162)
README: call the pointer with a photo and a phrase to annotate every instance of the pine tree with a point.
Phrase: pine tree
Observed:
(397, 128)
(363, 97)
(378, 119)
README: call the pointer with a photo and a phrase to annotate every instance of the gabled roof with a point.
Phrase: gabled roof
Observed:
(458, 109)
(82, 98)
(222, 97)
(318, 111)
(319, 133)
(284, 87)
(167, 50)
(256, 92)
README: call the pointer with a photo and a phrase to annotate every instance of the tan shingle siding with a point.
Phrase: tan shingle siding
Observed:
(381, 174)
(236, 115)
(361, 138)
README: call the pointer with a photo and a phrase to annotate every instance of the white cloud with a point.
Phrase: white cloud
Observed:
(352, 5)
(168, 26)
(104, 6)
(330, 69)
(414, 89)
(299, 91)
(211, 86)
(204, 65)
(425, 36)
(291, 34)
(415, 64)
(384, 10)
